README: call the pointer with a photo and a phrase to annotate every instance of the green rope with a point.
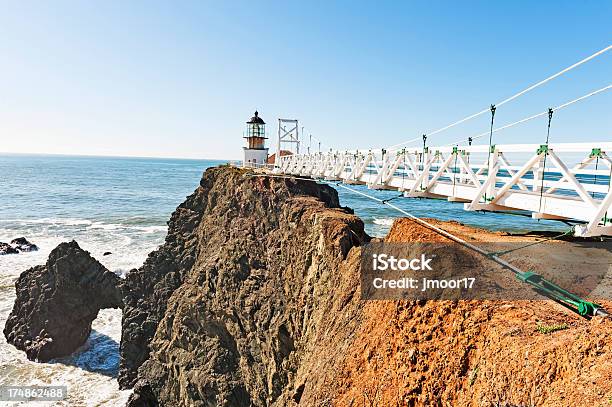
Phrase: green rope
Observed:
(569, 300)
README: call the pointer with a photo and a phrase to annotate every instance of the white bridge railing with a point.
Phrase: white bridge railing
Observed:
(568, 181)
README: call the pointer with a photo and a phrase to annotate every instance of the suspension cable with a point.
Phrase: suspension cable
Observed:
(313, 137)
(423, 159)
(455, 153)
(405, 170)
(493, 108)
(609, 186)
(516, 95)
(595, 178)
(569, 68)
(526, 119)
(550, 115)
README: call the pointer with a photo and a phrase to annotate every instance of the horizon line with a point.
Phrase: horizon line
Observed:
(112, 156)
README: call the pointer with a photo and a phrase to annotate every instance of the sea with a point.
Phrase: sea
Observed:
(121, 205)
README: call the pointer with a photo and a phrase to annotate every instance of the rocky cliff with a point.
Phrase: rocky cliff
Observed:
(261, 277)
(57, 302)
(245, 286)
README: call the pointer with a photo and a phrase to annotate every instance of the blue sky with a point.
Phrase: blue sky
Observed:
(179, 79)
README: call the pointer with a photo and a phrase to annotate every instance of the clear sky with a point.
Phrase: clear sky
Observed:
(179, 79)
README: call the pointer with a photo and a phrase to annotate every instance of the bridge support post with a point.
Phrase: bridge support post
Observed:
(492, 174)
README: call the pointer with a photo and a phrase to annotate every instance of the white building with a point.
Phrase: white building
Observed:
(256, 153)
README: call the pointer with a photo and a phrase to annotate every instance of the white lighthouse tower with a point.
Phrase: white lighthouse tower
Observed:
(255, 153)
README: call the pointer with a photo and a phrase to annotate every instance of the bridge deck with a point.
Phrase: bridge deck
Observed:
(568, 181)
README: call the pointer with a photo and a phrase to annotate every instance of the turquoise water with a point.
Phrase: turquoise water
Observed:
(121, 205)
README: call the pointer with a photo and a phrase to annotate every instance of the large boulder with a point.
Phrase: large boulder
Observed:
(57, 302)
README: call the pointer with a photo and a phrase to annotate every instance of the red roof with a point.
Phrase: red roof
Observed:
(273, 156)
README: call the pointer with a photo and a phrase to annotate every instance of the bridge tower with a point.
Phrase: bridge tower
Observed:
(288, 133)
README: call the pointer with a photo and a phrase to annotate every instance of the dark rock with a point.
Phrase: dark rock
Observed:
(6, 248)
(57, 302)
(149, 288)
(222, 313)
(142, 396)
(107, 253)
(23, 245)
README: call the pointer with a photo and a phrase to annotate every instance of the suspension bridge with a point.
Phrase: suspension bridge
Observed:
(569, 182)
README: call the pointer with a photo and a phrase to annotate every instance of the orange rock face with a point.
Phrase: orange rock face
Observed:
(472, 353)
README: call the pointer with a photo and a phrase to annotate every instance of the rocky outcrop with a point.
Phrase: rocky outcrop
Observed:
(149, 288)
(6, 248)
(23, 245)
(57, 302)
(224, 313)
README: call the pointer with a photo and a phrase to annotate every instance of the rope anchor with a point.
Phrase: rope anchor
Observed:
(571, 301)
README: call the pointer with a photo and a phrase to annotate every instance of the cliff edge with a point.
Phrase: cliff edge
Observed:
(246, 287)
(266, 311)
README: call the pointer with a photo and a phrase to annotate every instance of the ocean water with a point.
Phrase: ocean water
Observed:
(121, 205)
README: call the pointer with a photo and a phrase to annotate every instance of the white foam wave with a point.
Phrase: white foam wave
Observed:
(383, 221)
(121, 273)
(105, 226)
(151, 229)
(51, 221)
(91, 224)
(88, 374)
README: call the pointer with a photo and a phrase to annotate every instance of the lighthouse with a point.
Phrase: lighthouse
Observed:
(255, 153)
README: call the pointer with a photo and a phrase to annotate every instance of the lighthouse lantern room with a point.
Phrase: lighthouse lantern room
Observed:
(255, 153)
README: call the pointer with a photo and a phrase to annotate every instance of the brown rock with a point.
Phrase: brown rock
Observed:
(254, 283)
(57, 302)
